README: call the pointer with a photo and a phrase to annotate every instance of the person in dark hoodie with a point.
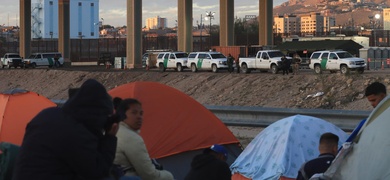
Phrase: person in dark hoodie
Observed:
(74, 142)
(210, 165)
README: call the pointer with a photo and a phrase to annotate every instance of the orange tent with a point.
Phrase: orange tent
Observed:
(17, 108)
(176, 124)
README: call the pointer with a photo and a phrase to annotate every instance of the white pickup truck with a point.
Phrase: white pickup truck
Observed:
(11, 60)
(265, 60)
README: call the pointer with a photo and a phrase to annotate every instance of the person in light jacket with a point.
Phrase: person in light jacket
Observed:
(131, 152)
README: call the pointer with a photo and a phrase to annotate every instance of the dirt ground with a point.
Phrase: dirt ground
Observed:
(335, 91)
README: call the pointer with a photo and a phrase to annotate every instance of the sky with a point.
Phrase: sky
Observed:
(114, 11)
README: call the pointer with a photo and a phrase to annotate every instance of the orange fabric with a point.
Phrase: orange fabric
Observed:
(237, 176)
(173, 121)
(16, 110)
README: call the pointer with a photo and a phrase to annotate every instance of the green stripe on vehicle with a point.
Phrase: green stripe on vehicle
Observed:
(50, 61)
(166, 62)
(323, 63)
(200, 62)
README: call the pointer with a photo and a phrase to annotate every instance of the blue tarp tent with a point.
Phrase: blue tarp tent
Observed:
(281, 148)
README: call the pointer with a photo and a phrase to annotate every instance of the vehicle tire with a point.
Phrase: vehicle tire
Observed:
(179, 68)
(214, 68)
(244, 69)
(274, 69)
(33, 65)
(344, 69)
(161, 67)
(193, 68)
(360, 70)
(317, 69)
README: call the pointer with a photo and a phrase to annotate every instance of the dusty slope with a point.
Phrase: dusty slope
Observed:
(255, 89)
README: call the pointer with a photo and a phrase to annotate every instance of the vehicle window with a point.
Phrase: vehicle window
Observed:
(181, 55)
(172, 56)
(39, 56)
(264, 55)
(166, 56)
(207, 56)
(315, 55)
(48, 55)
(324, 55)
(201, 56)
(160, 56)
(333, 56)
(145, 55)
(273, 54)
(258, 55)
(192, 55)
(216, 56)
(13, 56)
(344, 55)
(32, 56)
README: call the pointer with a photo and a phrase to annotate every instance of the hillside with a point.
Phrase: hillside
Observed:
(356, 15)
(255, 89)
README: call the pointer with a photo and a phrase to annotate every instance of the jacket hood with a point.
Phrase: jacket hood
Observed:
(201, 160)
(90, 105)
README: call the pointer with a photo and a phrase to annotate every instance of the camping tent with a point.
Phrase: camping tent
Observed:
(279, 150)
(176, 127)
(369, 157)
(17, 108)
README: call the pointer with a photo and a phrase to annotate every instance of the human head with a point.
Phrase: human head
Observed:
(375, 92)
(218, 151)
(132, 111)
(328, 143)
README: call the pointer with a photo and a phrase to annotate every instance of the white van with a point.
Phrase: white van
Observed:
(43, 59)
(207, 61)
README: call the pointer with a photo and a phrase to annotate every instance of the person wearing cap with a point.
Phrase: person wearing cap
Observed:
(210, 165)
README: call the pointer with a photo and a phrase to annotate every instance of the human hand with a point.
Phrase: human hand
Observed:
(113, 130)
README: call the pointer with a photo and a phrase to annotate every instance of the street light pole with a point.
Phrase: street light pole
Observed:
(377, 16)
(210, 16)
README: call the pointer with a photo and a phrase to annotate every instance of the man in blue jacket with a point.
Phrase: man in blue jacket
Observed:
(76, 141)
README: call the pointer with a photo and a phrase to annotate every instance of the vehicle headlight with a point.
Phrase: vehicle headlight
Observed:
(352, 63)
(220, 62)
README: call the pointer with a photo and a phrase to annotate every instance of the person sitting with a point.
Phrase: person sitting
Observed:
(76, 141)
(131, 152)
(210, 165)
(328, 148)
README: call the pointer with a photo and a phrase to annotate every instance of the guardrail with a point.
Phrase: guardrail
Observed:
(263, 116)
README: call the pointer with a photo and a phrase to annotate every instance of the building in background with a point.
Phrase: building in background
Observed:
(156, 23)
(386, 19)
(84, 19)
(312, 23)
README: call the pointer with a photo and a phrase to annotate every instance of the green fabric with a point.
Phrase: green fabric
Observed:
(7, 159)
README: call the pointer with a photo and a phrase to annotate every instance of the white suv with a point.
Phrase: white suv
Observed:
(207, 61)
(334, 61)
(172, 60)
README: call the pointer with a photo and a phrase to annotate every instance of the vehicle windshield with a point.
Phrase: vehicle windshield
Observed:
(32, 56)
(181, 55)
(273, 54)
(13, 56)
(344, 55)
(216, 56)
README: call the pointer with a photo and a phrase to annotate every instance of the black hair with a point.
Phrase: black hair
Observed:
(72, 91)
(375, 88)
(329, 138)
(122, 105)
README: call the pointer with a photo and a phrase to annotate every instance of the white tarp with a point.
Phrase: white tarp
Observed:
(282, 147)
(370, 156)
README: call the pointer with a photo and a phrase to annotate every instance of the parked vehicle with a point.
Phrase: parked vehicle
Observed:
(11, 60)
(336, 60)
(265, 60)
(172, 60)
(43, 59)
(213, 61)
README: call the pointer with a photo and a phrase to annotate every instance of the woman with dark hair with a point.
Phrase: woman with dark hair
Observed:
(131, 152)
